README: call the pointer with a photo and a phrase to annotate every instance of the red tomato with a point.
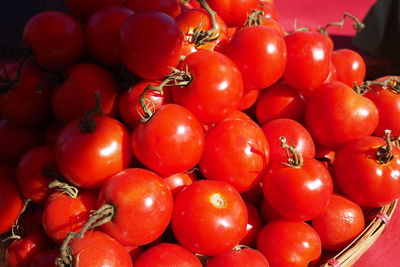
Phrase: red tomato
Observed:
(339, 224)
(102, 33)
(332, 75)
(149, 54)
(377, 182)
(77, 94)
(87, 159)
(248, 99)
(336, 114)
(295, 133)
(134, 252)
(45, 258)
(254, 195)
(269, 10)
(253, 227)
(82, 10)
(350, 66)
(63, 214)
(251, 48)
(179, 181)
(233, 12)
(215, 89)
(289, 244)
(170, 7)
(143, 206)
(209, 217)
(56, 39)
(244, 258)
(308, 59)
(236, 151)
(11, 202)
(167, 255)
(280, 101)
(161, 142)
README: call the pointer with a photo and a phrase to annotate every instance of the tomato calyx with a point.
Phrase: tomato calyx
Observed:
(65, 188)
(97, 218)
(87, 124)
(200, 37)
(384, 153)
(295, 160)
(357, 25)
(392, 83)
(254, 18)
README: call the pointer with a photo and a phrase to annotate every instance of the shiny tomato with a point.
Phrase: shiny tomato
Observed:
(82, 10)
(236, 151)
(332, 75)
(289, 244)
(56, 39)
(149, 54)
(253, 227)
(233, 12)
(209, 217)
(336, 114)
(350, 66)
(11, 202)
(170, 7)
(339, 224)
(102, 33)
(143, 206)
(173, 131)
(215, 89)
(251, 48)
(246, 257)
(179, 181)
(248, 99)
(88, 158)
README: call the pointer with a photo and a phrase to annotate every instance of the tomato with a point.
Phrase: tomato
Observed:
(332, 75)
(179, 181)
(234, 13)
(308, 59)
(251, 48)
(56, 39)
(350, 66)
(159, 143)
(377, 182)
(102, 33)
(170, 7)
(88, 158)
(167, 255)
(82, 10)
(63, 214)
(134, 252)
(300, 189)
(25, 103)
(11, 202)
(45, 258)
(254, 195)
(295, 133)
(215, 89)
(254, 226)
(287, 243)
(31, 173)
(269, 10)
(339, 224)
(143, 206)
(246, 257)
(280, 101)
(149, 54)
(77, 94)
(236, 151)
(336, 114)
(209, 217)
(248, 99)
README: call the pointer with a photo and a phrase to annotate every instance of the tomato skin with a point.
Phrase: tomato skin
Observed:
(250, 48)
(336, 114)
(289, 244)
(267, 212)
(97, 249)
(170, 7)
(298, 193)
(332, 75)
(375, 184)
(216, 87)
(248, 99)
(253, 227)
(159, 143)
(11, 204)
(242, 138)
(339, 224)
(88, 159)
(167, 255)
(234, 13)
(77, 94)
(56, 39)
(350, 66)
(209, 217)
(82, 10)
(179, 181)
(308, 59)
(102, 33)
(149, 54)
(244, 257)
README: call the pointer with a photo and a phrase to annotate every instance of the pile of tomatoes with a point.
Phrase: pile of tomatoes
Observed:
(185, 133)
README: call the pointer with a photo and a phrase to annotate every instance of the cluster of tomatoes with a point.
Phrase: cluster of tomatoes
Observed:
(169, 133)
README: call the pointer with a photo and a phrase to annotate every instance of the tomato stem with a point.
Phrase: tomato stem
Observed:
(16, 230)
(254, 18)
(200, 37)
(65, 188)
(87, 124)
(392, 83)
(7, 83)
(384, 153)
(358, 25)
(294, 158)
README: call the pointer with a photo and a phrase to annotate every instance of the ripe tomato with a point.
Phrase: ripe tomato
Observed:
(350, 66)
(82, 10)
(236, 151)
(289, 244)
(149, 54)
(11, 202)
(260, 54)
(167, 255)
(179, 181)
(102, 33)
(77, 94)
(253, 227)
(87, 159)
(159, 143)
(209, 217)
(246, 257)
(336, 114)
(339, 224)
(332, 75)
(248, 99)
(170, 7)
(56, 39)
(233, 12)
(143, 206)
(215, 89)
(377, 182)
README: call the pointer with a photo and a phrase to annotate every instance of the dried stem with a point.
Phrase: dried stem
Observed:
(294, 159)
(384, 153)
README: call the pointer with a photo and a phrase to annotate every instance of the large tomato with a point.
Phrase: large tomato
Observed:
(350, 66)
